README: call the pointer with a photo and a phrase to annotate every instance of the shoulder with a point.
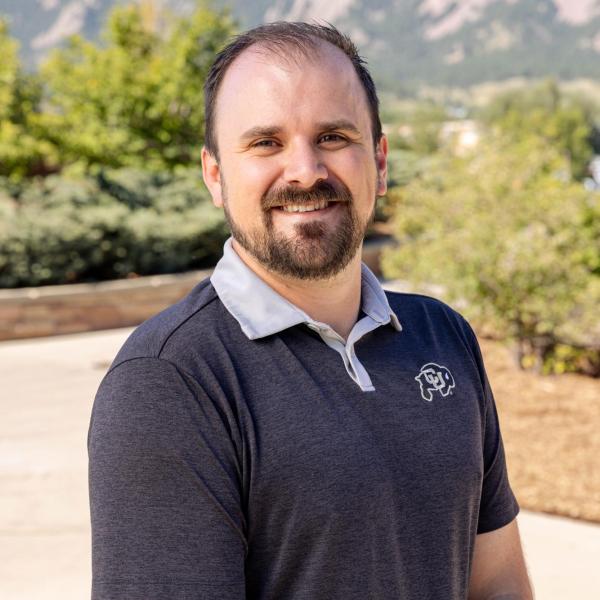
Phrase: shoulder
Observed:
(167, 334)
(417, 307)
(429, 322)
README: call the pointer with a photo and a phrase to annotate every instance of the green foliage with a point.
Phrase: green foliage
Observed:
(116, 224)
(426, 123)
(403, 166)
(560, 120)
(22, 147)
(135, 101)
(138, 100)
(417, 128)
(512, 241)
(9, 68)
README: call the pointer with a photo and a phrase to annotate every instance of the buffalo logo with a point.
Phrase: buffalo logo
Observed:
(435, 378)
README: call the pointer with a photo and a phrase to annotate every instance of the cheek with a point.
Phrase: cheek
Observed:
(247, 181)
(359, 173)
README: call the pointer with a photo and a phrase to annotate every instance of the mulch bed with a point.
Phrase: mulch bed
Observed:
(551, 431)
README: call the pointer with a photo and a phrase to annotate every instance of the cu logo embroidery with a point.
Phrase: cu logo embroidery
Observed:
(435, 378)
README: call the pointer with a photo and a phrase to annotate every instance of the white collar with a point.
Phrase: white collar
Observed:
(261, 311)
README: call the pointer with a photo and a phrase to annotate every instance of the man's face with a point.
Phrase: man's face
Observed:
(298, 173)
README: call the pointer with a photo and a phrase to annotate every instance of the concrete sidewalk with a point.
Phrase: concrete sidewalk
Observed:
(48, 387)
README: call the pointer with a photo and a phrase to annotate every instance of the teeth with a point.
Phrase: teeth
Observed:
(305, 207)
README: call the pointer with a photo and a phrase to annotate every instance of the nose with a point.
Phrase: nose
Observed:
(304, 165)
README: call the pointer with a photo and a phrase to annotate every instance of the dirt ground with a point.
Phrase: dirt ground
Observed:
(551, 431)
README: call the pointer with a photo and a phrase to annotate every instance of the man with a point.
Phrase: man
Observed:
(288, 430)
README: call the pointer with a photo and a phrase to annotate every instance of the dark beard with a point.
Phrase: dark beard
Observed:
(316, 251)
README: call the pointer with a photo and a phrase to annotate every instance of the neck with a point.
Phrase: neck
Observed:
(334, 301)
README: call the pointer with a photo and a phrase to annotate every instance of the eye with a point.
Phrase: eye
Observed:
(332, 139)
(264, 144)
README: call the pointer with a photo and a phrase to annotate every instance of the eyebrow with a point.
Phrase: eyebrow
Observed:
(260, 131)
(338, 124)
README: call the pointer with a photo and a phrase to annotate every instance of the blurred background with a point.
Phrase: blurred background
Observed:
(492, 111)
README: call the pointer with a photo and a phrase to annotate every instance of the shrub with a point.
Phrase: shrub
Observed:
(512, 241)
(117, 224)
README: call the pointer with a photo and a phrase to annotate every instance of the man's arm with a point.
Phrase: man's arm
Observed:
(499, 571)
(165, 492)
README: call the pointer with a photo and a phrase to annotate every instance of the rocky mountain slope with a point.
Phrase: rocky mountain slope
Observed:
(407, 42)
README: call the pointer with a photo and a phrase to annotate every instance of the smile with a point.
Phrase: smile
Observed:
(308, 207)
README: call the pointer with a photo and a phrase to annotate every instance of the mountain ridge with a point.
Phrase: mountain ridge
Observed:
(434, 42)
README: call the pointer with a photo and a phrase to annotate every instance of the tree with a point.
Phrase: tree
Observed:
(417, 128)
(23, 150)
(138, 99)
(564, 122)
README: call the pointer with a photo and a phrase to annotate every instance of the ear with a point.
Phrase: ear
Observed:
(211, 173)
(381, 153)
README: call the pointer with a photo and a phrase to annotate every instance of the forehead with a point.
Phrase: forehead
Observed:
(262, 87)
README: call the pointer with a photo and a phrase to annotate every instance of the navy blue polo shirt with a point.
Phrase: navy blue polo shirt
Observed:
(225, 467)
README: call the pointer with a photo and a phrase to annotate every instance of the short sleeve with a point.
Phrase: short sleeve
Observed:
(165, 494)
(498, 505)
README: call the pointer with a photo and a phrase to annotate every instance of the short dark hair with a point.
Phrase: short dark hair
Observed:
(278, 37)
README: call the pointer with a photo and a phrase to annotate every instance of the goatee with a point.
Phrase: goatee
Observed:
(316, 251)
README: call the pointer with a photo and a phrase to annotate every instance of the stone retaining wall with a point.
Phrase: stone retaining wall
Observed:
(53, 310)
(60, 309)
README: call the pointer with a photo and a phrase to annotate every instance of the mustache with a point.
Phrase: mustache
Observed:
(321, 190)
